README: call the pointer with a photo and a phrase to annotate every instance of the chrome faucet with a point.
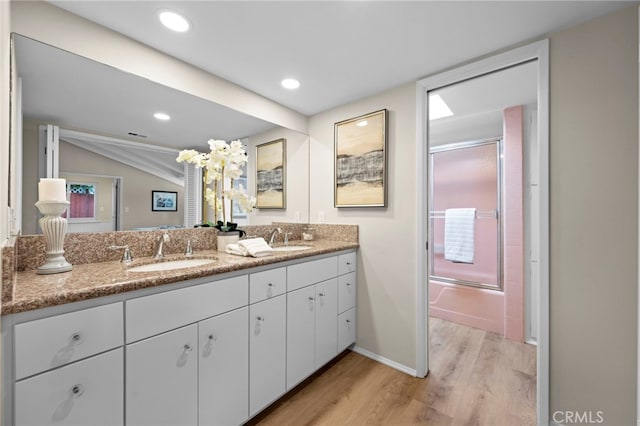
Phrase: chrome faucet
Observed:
(274, 234)
(164, 238)
(126, 254)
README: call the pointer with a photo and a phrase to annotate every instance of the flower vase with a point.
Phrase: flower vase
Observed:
(224, 238)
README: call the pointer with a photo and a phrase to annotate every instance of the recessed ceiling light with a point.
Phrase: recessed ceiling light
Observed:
(438, 108)
(362, 123)
(174, 21)
(290, 83)
(161, 116)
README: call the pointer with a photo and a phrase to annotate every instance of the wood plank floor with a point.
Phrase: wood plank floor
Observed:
(476, 378)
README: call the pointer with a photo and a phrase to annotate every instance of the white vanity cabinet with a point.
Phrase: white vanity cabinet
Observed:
(210, 351)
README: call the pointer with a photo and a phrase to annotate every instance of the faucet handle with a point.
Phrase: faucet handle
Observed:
(189, 250)
(286, 238)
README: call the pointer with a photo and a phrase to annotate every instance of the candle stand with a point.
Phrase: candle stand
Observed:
(54, 228)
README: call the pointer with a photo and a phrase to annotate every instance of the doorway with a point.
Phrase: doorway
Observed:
(536, 160)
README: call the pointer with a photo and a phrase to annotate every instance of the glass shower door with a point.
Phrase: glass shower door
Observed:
(467, 175)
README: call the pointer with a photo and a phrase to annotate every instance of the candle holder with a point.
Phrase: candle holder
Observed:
(54, 228)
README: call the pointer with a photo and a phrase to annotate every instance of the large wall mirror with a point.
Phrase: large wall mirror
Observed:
(114, 152)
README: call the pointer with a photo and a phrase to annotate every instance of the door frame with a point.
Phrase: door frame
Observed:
(535, 51)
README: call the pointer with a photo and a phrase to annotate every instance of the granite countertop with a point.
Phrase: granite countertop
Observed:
(87, 281)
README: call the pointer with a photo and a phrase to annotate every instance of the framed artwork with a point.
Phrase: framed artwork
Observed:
(361, 161)
(164, 201)
(271, 175)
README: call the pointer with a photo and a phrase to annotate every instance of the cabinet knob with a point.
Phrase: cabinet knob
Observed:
(348, 263)
(270, 284)
(188, 348)
(348, 321)
(348, 284)
(212, 337)
(312, 298)
(76, 338)
(77, 391)
(260, 319)
(321, 294)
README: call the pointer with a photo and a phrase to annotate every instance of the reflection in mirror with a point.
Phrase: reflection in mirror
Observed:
(108, 133)
(482, 138)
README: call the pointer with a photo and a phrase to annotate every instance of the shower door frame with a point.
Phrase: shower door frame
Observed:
(498, 212)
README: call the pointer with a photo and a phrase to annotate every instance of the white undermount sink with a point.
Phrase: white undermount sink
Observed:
(171, 265)
(291, 248)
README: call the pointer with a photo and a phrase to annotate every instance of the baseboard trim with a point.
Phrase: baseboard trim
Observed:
(385, 361)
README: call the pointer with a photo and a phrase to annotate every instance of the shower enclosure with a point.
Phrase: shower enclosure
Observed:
(468, 175)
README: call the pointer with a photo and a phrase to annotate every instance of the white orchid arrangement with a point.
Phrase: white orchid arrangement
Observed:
(224, 162)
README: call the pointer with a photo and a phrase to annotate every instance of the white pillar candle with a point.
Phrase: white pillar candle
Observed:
(52, 189)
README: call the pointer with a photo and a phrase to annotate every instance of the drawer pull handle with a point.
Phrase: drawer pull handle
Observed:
(77, 391)
(188, 348)
(76, 338)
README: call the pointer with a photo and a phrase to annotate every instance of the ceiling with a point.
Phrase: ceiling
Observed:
(339, 50)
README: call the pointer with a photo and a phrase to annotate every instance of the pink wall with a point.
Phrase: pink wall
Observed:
(497, 311)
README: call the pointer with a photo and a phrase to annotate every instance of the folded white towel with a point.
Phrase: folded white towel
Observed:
(459, 228)
(236, 249)
(256, 247)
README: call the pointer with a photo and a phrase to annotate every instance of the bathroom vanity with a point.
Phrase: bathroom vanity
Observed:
(215, 349)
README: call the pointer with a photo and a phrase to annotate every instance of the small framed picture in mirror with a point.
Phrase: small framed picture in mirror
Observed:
(164, 201)
(271, 175)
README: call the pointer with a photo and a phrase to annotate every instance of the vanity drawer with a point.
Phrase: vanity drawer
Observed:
(51, 342)
(89, 392)
(346, 291)
(346, 329)
(307, 273)
(151, 315)
(267, 284)
(346, 263)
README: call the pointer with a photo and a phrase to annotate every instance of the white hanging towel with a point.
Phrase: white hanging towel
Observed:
(459, 235)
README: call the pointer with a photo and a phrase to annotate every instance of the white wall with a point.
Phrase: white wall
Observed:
(386, 320)
(297, 177)
(594, 217)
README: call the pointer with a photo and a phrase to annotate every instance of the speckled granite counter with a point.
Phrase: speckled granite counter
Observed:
(86, 281)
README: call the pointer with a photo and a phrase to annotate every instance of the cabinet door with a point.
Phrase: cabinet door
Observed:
(223, 380)
(326, 335)
(346, 292)
(346, 329)
(301, 306)
(162, 379)
(88, 392)
(267, 351)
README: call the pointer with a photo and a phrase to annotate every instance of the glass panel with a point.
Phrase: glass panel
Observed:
(467, 177)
